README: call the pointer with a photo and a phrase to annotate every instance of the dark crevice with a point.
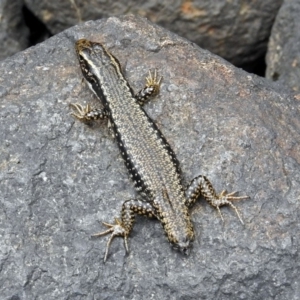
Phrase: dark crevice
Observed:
(257, 67)
(275, 76)
(38, 32)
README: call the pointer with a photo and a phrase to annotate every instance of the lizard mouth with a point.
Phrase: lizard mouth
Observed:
(82, 44)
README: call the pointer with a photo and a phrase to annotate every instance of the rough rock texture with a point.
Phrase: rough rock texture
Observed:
(13, 32)
(59, 178)
(236, 30)
(283, 57)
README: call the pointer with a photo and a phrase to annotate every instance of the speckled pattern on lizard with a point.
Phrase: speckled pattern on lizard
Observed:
(148, 157)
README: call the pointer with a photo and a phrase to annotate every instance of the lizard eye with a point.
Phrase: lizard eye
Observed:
(80, 58)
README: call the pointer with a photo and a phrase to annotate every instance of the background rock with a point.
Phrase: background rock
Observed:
(283, 57)
(13, 32)
(60, 178)
(236, 30)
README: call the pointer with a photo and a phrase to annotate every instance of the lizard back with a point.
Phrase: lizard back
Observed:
(151, 162)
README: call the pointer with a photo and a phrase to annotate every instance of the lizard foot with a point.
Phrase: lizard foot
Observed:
(81, 111)
(225, 198)
(151, 88)
(87, 114)
(116, 229)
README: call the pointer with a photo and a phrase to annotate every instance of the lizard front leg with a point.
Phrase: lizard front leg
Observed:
(202, 186)
(86, 113)
(151, 88)
(124, 226)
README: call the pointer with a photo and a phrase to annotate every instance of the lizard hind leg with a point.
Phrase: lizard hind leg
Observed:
(202, 186)
(225, 198)
(116, 229)
(124, 226)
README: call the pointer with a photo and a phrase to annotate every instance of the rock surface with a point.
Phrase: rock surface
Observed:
(13, 32)
(283, 57)
(236, 30)
(60, 178)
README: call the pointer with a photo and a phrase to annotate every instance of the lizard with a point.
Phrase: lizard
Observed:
(149, 159)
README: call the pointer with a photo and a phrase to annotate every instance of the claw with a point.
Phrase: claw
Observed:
(231, 196)
(116, 229)
(152, 79)
(151, 88)
(224, 199)
(81, 111)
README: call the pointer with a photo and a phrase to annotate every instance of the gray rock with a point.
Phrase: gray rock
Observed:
(60, 178)
(236, 30)
(13, 32)
(283, 57)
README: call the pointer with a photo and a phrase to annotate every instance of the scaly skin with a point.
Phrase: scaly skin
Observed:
(151, 162)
